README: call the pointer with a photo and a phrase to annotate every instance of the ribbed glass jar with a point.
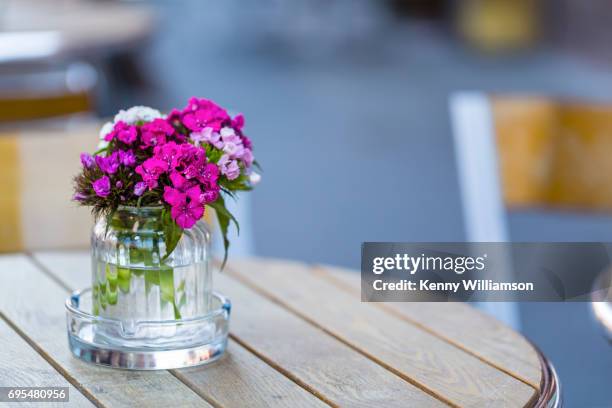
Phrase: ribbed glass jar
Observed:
(134, 278)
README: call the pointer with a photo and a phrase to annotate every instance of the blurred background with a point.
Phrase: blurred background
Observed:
(347, 102)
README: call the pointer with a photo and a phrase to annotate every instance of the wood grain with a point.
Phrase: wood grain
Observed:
(432, 363)
(238, 379)
(22, 366)
(459, 324)
(241, 379)
(35, 304)
(331, 369)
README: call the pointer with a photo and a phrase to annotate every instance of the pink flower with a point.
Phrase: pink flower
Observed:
(229, 167)
(102, 186)
(150, 170)
(207, 135)
(187, 208)
(109, 164)
(124, 132)
(247, 157)
(155, 133)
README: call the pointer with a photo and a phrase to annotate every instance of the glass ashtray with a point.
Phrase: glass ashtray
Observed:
(146, 345)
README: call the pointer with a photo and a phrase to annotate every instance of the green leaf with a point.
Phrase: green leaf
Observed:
(257, 165)
(224, 217)
(172, 233)
(166, 287)
(123, 279)
(240, 183)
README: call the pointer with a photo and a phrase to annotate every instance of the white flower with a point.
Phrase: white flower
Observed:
(254, 178)
(106, 129)
(227, 132)
(137, 114)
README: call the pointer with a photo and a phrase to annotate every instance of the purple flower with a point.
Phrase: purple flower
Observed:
(87, 160)
(109, 164)
(229, 167)
(140, 188)
(102, 186)
(79, 196)
(127, 158)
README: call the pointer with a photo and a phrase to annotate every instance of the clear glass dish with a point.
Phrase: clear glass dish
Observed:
(146, 344)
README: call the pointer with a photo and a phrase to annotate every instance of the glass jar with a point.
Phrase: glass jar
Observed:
(138, 276)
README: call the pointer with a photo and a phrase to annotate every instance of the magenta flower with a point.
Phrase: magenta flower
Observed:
(184, 161)
(180, 182)
(156, 132)
(238, 122)
(211, 195)
(168, 153)
(125, 133)
(201, 113)
(109, 164)
(102, 186)
(205, 173)
(187, 208)
(87, 160)
(150, 170)
(246, 142)
(140, 188)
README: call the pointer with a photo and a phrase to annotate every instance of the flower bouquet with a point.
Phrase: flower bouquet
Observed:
(150, 184)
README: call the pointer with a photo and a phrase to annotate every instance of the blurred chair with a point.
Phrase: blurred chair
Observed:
(45, 122)
(36, 171)
(525, 153)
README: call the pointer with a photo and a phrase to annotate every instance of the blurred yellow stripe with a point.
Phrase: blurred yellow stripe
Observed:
(11, 238)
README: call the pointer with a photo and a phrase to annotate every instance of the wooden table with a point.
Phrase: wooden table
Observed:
(299, 337)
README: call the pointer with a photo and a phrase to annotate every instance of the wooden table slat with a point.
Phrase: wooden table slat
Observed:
(460, 324)
(22, 366)
(415, 354)
(337, 372)
(35, 303)
(238, 379)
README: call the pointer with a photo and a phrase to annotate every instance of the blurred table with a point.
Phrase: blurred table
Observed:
(44, 31)
(299, 337)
